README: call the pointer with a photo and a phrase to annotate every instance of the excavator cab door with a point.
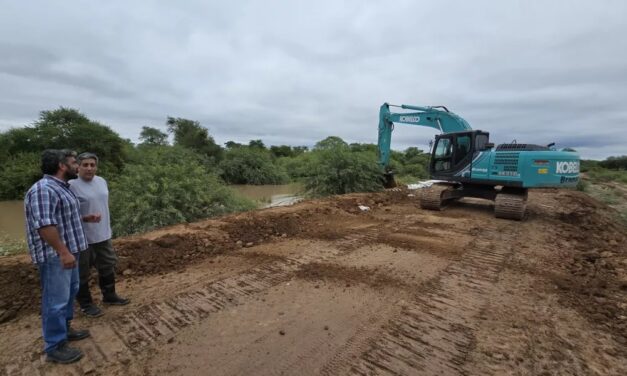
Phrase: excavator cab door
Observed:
(451, 153)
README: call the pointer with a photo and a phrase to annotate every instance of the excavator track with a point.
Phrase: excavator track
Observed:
(510, 206)
(431, 198)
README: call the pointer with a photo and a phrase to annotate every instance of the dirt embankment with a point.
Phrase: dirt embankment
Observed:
(596, 282)
(173, 248)
(324, 287)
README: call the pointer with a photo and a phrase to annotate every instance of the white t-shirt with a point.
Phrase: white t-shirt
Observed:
(94, 198)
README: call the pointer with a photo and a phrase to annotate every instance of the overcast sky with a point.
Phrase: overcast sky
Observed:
(295, 72)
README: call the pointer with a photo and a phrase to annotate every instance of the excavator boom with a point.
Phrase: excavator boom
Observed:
(442, 120)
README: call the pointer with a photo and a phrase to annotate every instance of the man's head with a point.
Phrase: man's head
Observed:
(87, 165)
(59, 163)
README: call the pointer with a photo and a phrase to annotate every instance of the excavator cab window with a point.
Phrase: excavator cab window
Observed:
(443, 154)
(462, 148)
(452, 152)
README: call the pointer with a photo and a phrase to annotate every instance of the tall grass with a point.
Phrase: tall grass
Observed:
(605, 175)
(11, 246)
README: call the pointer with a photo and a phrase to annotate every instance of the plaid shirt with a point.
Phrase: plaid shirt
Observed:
(50, 202)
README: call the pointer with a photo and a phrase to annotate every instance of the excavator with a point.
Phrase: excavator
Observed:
(463, 162)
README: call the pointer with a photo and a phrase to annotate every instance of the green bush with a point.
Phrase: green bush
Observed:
(10, 246)
(334, 169)
(409, 166)
(251, 165)
(171, 185)
(601, 174)
(17, 174)
(586, 165)
(615, 163)
(297, 167)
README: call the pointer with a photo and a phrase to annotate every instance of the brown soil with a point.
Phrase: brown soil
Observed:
(323, 287)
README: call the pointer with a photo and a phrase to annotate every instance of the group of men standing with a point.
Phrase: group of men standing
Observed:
(68, 231)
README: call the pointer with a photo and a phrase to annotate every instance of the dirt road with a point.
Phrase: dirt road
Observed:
(324, 288)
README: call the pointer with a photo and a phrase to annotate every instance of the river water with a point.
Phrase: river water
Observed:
(12, 212)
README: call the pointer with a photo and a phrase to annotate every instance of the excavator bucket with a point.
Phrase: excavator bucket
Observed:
(388, 180)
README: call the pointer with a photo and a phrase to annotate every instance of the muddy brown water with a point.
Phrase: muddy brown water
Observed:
(12, 212)
(271, 195)
(12, 219)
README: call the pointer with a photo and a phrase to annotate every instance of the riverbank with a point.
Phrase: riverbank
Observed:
(12, 212)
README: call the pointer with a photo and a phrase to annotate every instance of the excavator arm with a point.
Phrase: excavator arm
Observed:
(437, 117)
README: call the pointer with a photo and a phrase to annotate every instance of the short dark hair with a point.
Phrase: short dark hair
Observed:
(87, 155)
(51, 158)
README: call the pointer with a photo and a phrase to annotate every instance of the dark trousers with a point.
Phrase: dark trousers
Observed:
(101, 256)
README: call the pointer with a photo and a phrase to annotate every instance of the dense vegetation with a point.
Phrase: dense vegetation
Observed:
(160, 182)
(605, 181)
(168, 185)
(611, 169)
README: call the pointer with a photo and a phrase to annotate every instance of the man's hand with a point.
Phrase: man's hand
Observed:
(92, 218)
(50, 235)
(67, 260)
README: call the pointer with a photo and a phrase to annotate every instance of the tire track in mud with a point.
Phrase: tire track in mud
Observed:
(118, 342)
(433, 334)
(354, 240)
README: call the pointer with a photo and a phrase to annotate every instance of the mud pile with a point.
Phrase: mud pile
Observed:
(173, 248)
(598, 268)
(19, 287)
(594, 271)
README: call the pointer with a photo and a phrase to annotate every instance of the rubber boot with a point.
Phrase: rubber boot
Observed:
(83, 297)
(107, 286)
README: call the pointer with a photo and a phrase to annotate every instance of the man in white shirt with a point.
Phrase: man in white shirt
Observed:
(93, 194)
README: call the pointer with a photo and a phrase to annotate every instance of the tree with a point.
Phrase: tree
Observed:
(330, 143)
(256, 144)
(364, 147)
(281, 151)
(153, 136)
(298, 150)
(287, 151)
(246, 165)
(17, 174)
(66, 128)
(16, 140)
(190, 134)
(232, 144)
(615, 163)
(413, 152)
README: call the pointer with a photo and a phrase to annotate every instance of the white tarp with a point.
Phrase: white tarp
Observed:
(424, 184)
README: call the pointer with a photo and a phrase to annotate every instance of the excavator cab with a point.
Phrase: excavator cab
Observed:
(452, 153)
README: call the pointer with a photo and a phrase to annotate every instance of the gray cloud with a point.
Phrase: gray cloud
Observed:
(296, 72)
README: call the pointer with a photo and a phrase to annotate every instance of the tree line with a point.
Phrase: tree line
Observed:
(158, 182)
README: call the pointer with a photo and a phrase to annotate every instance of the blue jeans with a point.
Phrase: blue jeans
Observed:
(58, 290)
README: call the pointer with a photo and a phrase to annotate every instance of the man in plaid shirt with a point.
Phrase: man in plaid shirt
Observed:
(55, 239)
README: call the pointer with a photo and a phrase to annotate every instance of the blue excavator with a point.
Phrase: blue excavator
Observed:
(463, 162)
